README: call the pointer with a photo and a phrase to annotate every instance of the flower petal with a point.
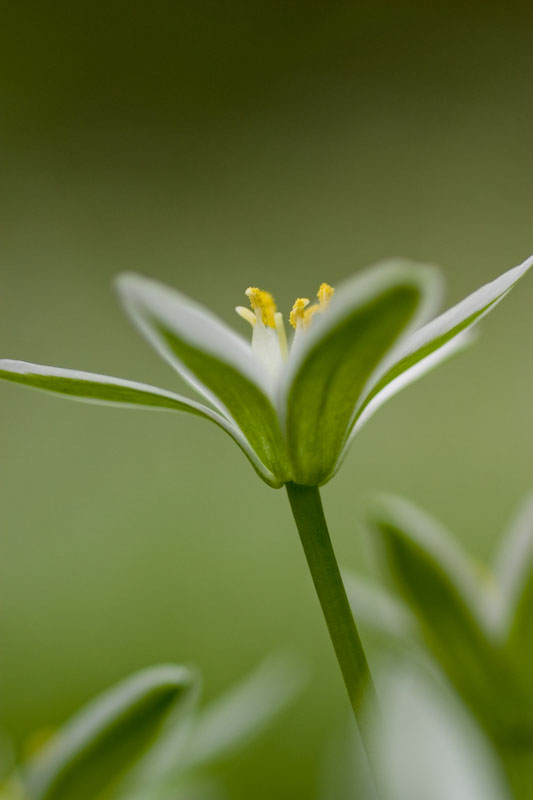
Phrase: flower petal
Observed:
(103, 389)
(434, 342)
(410, 375)
(210, 357)
(333, 362)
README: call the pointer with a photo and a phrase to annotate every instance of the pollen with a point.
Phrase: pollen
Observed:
(297, 315)
(263, 304)
(324, 294)
(302, 313)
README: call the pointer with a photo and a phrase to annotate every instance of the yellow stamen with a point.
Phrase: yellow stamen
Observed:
(263, 304)
(324, 294)
(310, 312)
(246, 314)
(302, 313)
(297, 315)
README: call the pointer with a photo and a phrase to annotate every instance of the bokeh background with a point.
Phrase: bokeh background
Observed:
(214, 146)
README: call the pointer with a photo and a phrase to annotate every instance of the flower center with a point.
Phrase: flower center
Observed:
(269, 339)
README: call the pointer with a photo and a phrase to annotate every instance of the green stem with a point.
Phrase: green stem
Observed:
(309, 516)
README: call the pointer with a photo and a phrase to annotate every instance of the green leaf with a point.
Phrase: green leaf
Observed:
(345, 774)
(514, 563)
(514, 569)
(427, 746)
(95, 750)
(190, 788)
(244, 711)
(12, 790)
(380, 611)
(213, 359)
(90, 387)
(339, 354)
(7, 760)
(228, 724)
(442, 588)
(435, 342)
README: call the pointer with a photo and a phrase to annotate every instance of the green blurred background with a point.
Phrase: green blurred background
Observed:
(214, 146)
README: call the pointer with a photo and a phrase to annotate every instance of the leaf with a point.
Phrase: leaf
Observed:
(514, 564)
(243, 712)
(228, 724)
(212, 358)
(12, 790)
(515, 573)
(427, 745)
(338, 356)
(90, 387)
(441, 586)
(380, 611)
(434, 342)
(7, 756)
(345, 774)
(185, 789)
(93, 752)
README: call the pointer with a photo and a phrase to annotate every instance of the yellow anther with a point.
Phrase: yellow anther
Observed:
(264, 311)
(263, 304)
(324, 294)
(302, 313)
(297, 315)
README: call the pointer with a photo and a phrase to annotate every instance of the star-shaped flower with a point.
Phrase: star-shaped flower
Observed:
(293, 408)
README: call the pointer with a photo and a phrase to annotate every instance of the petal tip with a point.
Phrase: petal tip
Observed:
(127, 281)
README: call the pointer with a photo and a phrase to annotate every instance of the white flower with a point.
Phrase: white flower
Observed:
(293, 410)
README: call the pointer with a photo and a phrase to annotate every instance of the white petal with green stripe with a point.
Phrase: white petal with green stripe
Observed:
(90, 387)
(210, 357)
(332, 364)
(435, 342)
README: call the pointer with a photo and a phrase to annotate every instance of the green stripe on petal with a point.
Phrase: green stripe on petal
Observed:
(373, 402)
(335, 359)
(213, 359)
(90, 387)
(435, 342)
(93, 388)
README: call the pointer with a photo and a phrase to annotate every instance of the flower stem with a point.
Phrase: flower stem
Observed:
(309, 516)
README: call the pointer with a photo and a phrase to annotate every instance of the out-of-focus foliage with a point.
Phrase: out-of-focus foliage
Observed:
(475, 621)
(146, 739)
(426, 745)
